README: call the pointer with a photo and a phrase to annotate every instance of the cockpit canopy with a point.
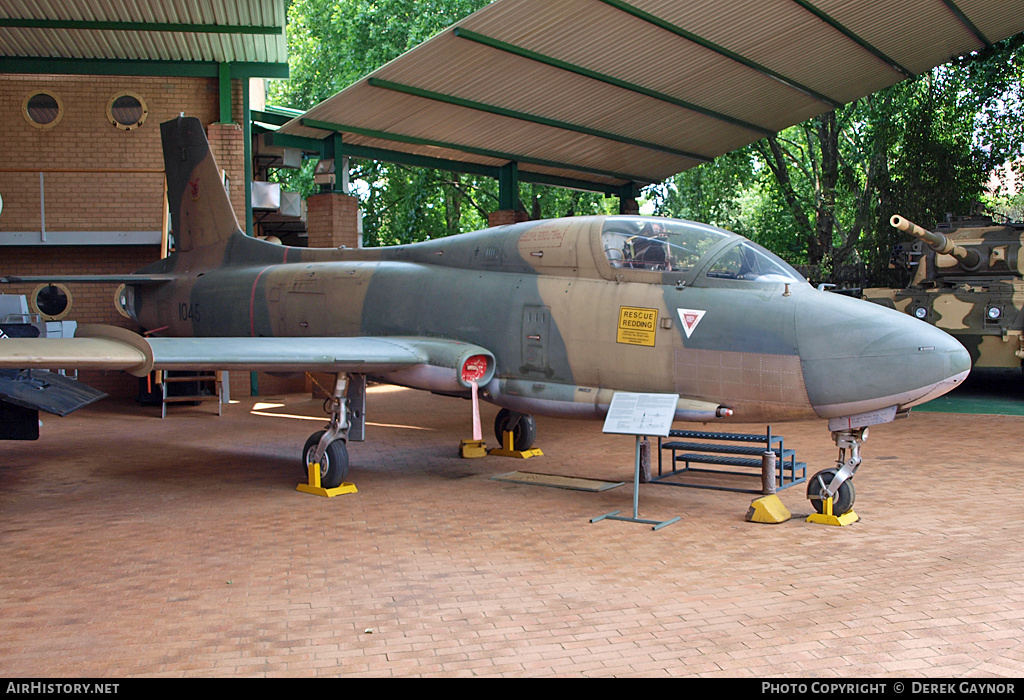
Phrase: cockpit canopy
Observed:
(691, 251)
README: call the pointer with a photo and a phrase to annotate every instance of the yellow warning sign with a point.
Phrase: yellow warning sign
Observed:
(636, 326)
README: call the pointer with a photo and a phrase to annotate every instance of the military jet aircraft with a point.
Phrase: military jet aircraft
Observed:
(547, 317)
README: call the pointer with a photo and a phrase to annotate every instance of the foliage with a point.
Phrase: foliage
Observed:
(334, 43)
(821, 193)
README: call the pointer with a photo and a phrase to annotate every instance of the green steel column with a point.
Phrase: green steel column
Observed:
(247, 155)
(508, 187)
(254, 382)
(224, 81)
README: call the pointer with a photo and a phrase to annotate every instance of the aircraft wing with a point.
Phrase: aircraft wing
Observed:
(111, 348)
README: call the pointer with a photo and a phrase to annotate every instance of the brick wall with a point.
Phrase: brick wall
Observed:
(503, 217)
(78, 198)
(332, 220)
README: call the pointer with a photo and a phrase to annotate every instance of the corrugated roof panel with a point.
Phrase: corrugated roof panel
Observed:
(920, 34)
(783, 37)
(129, 44)
(994, 18)
(604, 39)
(420, 118)
(546, 92)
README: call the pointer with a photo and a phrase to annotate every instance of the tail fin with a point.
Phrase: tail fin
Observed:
(201, 213)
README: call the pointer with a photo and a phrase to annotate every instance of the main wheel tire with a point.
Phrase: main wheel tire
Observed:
(522, 426)
(842, 503)
(334, 465)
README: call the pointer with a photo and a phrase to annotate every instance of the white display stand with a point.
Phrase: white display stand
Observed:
(639, 415)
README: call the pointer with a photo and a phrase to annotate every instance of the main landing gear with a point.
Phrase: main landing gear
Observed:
(831, 490)
(325, 455)
(522, 426)
(516, 433)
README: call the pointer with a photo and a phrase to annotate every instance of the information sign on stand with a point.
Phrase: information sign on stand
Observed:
(640, 415)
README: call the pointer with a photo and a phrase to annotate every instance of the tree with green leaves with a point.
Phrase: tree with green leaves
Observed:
(821, 193)
(334, 43)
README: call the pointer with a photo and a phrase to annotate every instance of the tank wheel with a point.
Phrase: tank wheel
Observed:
(522, 426)
(334, 465)
(843, 501)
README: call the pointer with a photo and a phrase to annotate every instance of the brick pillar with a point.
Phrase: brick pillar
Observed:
(506, 216)
(332, 219)
(227, 144)
(629, 206)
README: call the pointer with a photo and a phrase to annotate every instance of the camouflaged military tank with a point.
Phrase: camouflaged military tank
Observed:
(969, 281)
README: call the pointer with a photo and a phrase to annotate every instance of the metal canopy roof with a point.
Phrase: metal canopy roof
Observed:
(163, 37)
(609, 92)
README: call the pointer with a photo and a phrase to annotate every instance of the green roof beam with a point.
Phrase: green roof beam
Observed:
(102, 26)
(415, 160)
(456, 166)
(690, 36)
(270, 118)
(965, 20)
(835, 24)
(545, 121)
(569, 183)
(483, 152)
(302, 143)
(604, 78)
(118, 66)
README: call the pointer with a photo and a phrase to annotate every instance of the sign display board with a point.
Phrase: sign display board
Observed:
(641, 414)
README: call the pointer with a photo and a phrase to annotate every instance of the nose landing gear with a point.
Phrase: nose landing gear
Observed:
(325, 455)
(831, 490)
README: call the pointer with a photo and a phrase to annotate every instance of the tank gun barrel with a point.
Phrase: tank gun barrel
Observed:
(938, 242)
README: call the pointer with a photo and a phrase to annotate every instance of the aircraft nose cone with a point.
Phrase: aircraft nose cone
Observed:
(859, 357)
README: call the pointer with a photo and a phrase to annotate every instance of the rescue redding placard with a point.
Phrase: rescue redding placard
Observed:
(636, 326)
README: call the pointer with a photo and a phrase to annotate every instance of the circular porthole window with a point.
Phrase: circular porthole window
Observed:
(51, 301)
(127, 111)
(43, 110)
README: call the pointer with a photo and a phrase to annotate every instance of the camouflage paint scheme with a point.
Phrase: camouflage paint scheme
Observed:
(957, 295)
(560, 313)
(545, 299)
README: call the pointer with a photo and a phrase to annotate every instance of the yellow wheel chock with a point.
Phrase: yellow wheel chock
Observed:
(768, 509)
(471, 449)
(316, 489)
(826, 518)
(506, 449)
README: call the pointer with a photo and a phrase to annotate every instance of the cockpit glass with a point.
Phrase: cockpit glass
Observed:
(666, 246)
(745, 262)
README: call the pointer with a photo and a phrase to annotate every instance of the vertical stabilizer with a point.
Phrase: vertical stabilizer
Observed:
(201, 213)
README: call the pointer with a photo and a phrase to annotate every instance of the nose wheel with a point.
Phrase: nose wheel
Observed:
(831, 490)
(842, 502)
(328, 449)
(333, 464)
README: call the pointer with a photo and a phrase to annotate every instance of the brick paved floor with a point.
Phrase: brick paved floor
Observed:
(133, 546)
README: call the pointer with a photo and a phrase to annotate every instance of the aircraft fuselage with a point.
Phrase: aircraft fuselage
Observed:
(569, 323)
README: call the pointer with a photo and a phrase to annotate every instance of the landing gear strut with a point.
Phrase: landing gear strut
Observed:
(328, 448)
(831, 490)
